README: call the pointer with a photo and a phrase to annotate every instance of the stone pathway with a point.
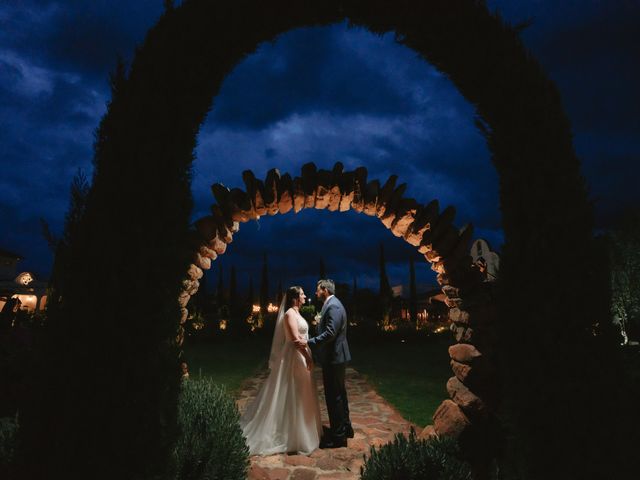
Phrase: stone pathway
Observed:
(374, 421)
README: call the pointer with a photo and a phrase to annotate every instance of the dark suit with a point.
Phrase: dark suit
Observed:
(331, 350)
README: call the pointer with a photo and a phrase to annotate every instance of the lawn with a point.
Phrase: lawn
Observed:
(227, 361)
(411, 375)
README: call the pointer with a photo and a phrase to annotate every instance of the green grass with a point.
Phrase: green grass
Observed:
(412, 376)
(228, 361)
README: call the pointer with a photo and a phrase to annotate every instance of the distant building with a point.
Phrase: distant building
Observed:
(483, 255)
(23, 286)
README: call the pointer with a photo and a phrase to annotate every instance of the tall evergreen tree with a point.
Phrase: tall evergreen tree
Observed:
(413, 294)
(385, 294)
(264, 286)
(385, 286)
(280, 293)
(323, 270)
(220, 290)
(233, 300)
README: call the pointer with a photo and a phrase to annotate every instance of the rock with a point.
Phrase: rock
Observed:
(271, 184)
(359, 187)
(385, 195)
(464, 353)
(462, 371)
(190, 286)
(183, 299)
(180, 337)
(461, 333)
(428, 432)
(298, 195)
(240, 207)
(255, 191)
(207, 227)
(392, 206)
(444, 244)
(220, 193)
(217, 245)
(322, 190)
(285, 193)
(449, 420)
(194, 273)
(309, 184)
(299, 460)
(371, 198)
(207, 252)
(346, 187)
(470, 403)
(444, 221)
(335, 193)
(424, 219)
(329, 463)
(202, 262)
(257, 473)
(425, 243)
(223, 224)
(463, 245)
(405, 216)
(184, 314)
(278, 474)
(303, 474)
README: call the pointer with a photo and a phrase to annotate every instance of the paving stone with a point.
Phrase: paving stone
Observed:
(375, 423)
(304, 474)
(299, 460)
(279, 474)
(329, 463)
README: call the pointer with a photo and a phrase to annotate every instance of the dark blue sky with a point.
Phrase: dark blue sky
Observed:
(323, 95)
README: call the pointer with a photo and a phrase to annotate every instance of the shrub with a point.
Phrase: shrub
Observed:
(411, 458)
(8, 431)
(210, 444)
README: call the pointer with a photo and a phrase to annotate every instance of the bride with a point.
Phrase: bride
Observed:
(285, 415)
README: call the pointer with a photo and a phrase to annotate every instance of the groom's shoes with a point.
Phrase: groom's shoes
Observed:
(349, 431)
(333, 442)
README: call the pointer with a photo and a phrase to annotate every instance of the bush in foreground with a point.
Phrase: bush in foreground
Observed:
(210, 445)
(414, 459)
(8, 432)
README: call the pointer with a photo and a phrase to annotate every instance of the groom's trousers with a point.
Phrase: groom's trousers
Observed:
(335, 393)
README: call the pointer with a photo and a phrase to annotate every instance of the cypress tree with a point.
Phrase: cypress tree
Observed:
(250, 293)
(323, 270)
(280, 293)
(233, 300)
(385, 294)
(220, 290)
(413, 295)
(264, 286)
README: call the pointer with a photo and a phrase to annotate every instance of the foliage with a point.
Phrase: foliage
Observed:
(8, 436)
(624, 259)
(210, 444)
(414, 459)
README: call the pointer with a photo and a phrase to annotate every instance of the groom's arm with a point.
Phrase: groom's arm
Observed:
(332, 327)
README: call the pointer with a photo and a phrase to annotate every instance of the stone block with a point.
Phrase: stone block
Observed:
(470, 403)
(385, 195)
(194, 272)
(449, 420)
(464, 353)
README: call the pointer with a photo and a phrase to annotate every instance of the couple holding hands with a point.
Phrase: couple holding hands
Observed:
(285, 415)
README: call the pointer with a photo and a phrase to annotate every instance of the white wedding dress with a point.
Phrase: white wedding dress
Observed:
(285, 415)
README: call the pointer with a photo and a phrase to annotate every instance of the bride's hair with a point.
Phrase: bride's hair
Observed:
(293, 293)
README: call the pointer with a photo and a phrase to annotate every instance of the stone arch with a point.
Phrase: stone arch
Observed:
(425, 227)
(156, 111)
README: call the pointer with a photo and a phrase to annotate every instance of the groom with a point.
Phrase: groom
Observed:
(331, 350)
